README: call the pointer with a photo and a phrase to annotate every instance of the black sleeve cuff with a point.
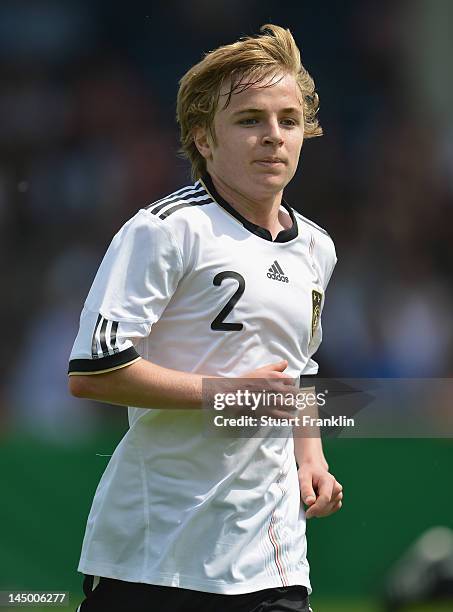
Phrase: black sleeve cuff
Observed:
(103, 364)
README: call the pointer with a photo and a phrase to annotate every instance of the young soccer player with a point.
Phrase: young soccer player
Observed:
(220, 278)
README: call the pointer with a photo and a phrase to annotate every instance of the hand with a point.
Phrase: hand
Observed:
(271, 370)
(272, 379)
(319, 490)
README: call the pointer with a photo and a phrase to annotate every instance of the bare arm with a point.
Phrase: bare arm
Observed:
(319, 490)
(307, 441)
(309, 450)
(144, 384)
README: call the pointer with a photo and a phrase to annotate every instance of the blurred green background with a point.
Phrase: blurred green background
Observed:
(394, 490)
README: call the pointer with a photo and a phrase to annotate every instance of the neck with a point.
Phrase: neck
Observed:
(263, 212)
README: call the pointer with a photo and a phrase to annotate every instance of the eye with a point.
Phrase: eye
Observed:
(249, 121)
(290, 122)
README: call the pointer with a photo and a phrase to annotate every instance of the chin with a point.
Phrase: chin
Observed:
(270, 184)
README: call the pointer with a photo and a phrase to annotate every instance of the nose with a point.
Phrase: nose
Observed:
(273, 133)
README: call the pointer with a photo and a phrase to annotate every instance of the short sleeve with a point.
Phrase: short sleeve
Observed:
(135, 281)
(311, 367)
(327, 261)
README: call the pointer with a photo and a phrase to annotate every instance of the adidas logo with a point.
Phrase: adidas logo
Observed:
(276, 273)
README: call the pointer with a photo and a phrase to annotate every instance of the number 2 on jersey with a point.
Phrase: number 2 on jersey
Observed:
(219, 324)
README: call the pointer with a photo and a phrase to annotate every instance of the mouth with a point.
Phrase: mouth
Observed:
(270, 161)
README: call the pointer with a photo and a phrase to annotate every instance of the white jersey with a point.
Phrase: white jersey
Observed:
(191, 285)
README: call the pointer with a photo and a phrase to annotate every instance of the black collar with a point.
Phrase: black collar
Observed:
(283, 236)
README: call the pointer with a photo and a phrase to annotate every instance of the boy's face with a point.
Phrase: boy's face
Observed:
(259, 137)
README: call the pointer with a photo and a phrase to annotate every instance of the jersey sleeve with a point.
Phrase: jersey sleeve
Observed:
(327, 261)
(135, 281)
(311, 367)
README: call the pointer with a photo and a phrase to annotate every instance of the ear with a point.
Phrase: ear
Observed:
(202, 141)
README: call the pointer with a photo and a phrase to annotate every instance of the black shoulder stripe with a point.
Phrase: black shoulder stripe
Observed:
(191, 197)
(94, 344)
(103, 363)
(159, 208)
(104, 340)
(187, 192)
(173, 209)
(174, 194)
(104, 347)
(170, 211)
(180, 192)
(113, 336)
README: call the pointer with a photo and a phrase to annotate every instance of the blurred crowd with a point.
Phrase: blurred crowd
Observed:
(88, 136)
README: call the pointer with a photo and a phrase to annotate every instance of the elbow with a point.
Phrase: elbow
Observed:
(79, 386)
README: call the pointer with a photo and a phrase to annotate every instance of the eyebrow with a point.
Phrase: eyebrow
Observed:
(260, 111)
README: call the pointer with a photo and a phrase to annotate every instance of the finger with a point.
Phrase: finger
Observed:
(324, 497)
(325, 488)
(285, 384)
(280, 366)
(272, 374)
(307, 492)
(316, 511)
(337, 491)
(323, 501)
(331, 509)
(337, 488)
(286, 397)
(312, 512)
(338, 497)
(320, 506)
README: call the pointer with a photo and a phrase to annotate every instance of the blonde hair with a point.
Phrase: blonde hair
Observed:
(249, 61)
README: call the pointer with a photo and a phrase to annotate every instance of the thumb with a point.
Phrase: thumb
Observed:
(307, 492)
